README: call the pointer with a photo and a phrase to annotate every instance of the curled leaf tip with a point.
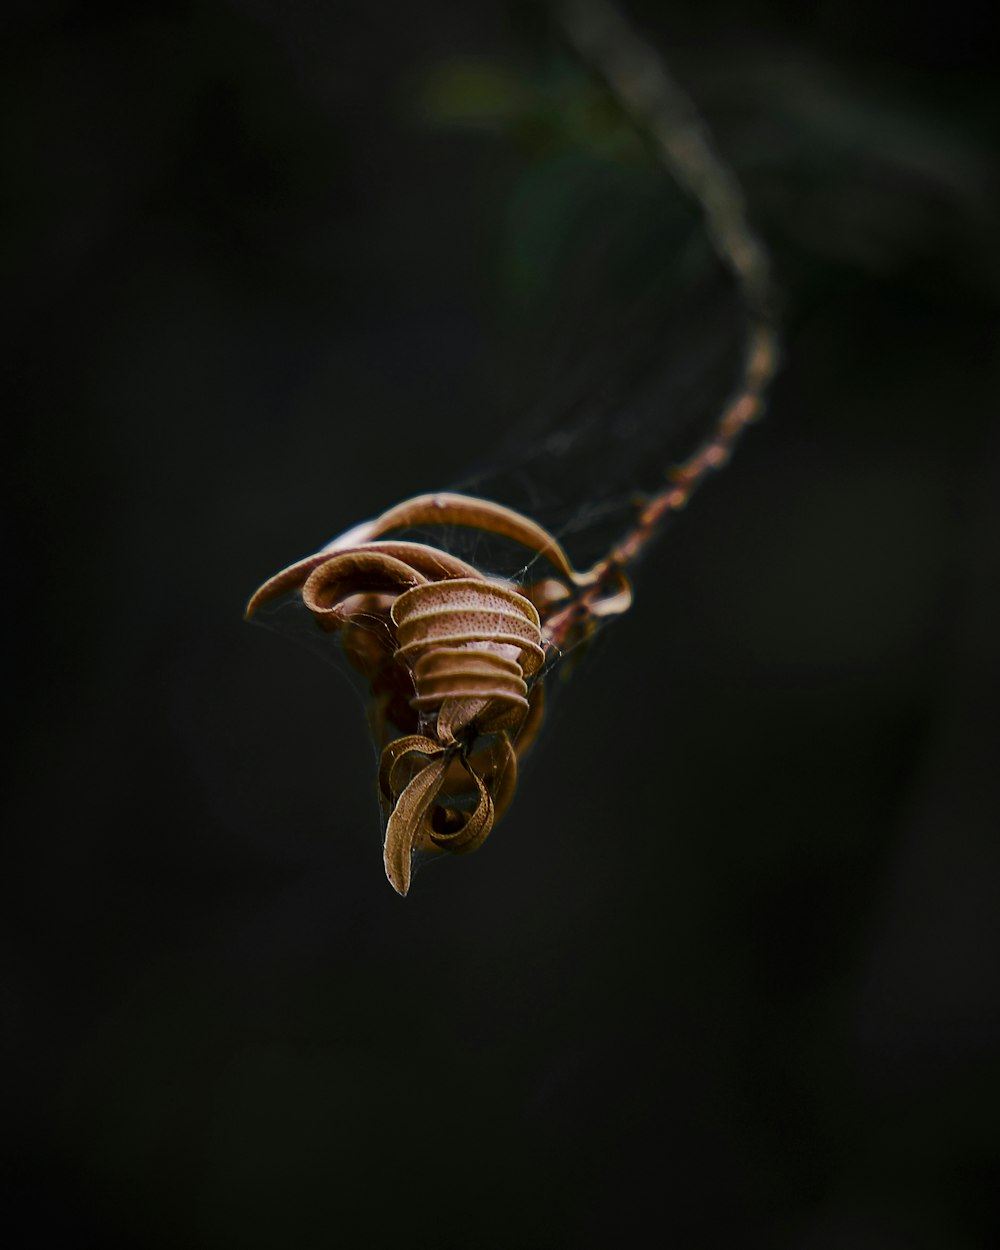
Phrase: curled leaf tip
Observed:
(408, 816)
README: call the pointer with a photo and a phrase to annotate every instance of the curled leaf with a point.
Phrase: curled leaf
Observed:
(453, 657)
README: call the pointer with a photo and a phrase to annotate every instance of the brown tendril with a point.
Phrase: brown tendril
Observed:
(454, 657)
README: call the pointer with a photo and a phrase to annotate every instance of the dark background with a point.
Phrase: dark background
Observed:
(727, 973)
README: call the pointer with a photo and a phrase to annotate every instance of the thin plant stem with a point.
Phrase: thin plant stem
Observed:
(638, 78)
